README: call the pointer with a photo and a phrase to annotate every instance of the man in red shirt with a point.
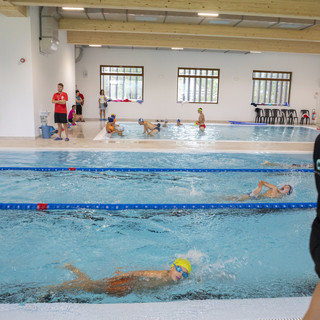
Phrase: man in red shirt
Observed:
(60, 111)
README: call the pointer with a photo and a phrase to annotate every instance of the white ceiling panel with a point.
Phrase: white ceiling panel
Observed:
(255, 24)
(183, 19)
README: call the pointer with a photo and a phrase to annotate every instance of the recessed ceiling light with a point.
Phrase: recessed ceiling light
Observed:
(74, 9)
(204, 14)
(176, 48)
(95, 45)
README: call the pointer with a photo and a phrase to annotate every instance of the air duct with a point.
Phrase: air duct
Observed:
(49, 34)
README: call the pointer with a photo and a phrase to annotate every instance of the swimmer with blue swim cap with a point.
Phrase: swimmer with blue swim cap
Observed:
(272, 192)
(124, 283)
(179, 123)
(149, 128)
(112, 128)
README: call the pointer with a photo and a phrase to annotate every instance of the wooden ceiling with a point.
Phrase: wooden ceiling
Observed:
(242, 25)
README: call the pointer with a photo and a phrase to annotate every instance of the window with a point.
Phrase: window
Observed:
(120, 83)
(198, 85)
(271, 87)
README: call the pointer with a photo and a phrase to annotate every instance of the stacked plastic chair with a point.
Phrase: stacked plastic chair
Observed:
(304, 116)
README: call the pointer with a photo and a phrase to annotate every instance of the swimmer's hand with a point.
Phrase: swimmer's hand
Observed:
(265, 163)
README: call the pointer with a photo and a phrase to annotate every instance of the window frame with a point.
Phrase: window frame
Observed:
(270, 85)
(200, 77)
(123, 74)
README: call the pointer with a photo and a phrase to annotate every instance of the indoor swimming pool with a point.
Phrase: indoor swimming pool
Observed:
(235, 254)
(217, 132)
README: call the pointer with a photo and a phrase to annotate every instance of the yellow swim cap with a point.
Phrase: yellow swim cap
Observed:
(199, 109)
(183, 263)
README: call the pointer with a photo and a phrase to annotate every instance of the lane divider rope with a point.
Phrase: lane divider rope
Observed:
(149, 169)
(98, 206)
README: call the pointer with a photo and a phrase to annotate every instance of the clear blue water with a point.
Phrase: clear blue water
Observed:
(234, 253)
(105, 159)
(221, 132)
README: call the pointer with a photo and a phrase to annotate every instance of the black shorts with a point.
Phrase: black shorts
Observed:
(79, 109)
(60, 117)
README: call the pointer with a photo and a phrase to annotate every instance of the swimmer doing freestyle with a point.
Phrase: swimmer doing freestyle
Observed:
(124, 283)
(272, 192)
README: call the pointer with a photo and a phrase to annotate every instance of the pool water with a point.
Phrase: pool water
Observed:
(246, 254)
(105, 159)
(147, 187)
(256, 253)
(219, 132)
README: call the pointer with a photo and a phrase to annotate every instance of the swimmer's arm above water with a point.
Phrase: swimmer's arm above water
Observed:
(270, 164)
(262, 183)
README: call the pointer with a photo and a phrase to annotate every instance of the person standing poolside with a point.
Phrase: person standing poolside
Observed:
(313, 312)
(149, 128)
(79, 102)
(201, 120)
(82, 97)
(102, 105)
(124, 283)
(60, 111)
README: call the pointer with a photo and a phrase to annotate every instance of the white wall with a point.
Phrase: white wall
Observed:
(160, 81)
(16, 107)
(27, 89)
(50, 69)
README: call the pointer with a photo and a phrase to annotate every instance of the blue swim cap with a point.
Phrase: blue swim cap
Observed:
(140, 120)
(290, 190)
(110, 119)
(178, 120)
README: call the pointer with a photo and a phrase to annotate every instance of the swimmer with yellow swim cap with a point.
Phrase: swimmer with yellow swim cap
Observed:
(201, 120)
(124, 283)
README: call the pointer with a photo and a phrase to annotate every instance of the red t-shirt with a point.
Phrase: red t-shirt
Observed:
(60, 108)
(82, 97)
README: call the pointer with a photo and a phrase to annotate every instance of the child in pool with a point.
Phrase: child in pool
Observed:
(124, 283)
(179, 123)
(149, 128)
(111, 127)
(201, 120)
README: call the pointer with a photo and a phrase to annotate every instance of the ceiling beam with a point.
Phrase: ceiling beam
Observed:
(191, 42)
(10, 10)
(311, 34)
(309, 9)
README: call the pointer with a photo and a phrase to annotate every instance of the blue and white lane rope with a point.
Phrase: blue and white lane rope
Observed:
(149, 169)
(99, 206)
